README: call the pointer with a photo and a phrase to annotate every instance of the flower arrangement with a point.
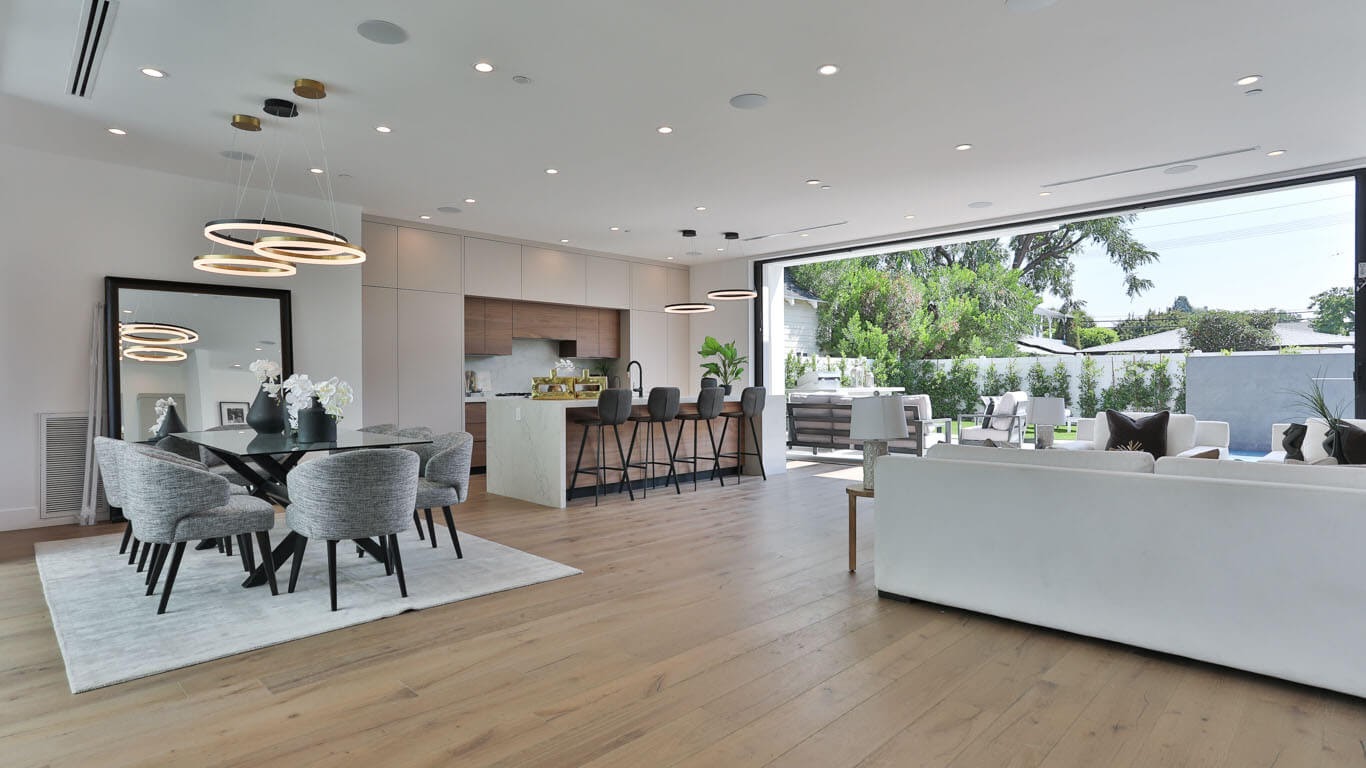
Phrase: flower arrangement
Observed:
(565, 368)
(334, 395)
(268, 374)
(163, 406)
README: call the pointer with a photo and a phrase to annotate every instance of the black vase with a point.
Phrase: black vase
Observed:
(709, 381)
(726, 388)
(315, 425)
(267, 415)
(171, 423)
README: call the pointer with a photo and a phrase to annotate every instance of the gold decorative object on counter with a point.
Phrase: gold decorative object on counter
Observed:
(556, 387)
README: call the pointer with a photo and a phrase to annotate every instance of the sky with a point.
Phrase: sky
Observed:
(1262, 251)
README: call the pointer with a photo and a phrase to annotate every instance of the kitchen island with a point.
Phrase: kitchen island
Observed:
(532, 445)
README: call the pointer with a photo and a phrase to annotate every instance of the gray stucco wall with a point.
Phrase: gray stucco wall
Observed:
(1252, 391)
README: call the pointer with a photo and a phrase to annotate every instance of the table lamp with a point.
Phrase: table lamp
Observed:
(875, 420)
(1045, 413)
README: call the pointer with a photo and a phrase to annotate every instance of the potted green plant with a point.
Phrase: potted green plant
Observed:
(1316, 403)
(728, 363)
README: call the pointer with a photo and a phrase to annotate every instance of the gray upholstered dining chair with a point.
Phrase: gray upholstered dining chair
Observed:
(444, 480)
(352, 495)
(170, 500)
(106, 455)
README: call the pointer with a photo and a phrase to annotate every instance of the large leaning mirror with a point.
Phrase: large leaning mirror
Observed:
(190, 341)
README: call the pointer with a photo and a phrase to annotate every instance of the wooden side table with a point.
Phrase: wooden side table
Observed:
(855, 492)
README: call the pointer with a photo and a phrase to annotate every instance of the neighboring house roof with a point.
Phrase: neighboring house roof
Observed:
(1051, 314)
(1289, 335)
(1035, 345)
(793, 292)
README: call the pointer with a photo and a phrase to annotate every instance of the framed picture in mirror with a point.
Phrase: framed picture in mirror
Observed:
(232, 414)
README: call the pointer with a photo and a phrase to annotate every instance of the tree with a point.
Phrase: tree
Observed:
(1217, 329)
(1182, 304)
(1088, 400)
(1337, 313)
(1094, 337)
(1044, 259)
(1151, 322)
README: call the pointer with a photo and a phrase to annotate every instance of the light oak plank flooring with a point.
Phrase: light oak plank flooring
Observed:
(716, 628)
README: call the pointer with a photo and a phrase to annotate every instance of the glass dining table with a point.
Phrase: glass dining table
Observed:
(264, 461)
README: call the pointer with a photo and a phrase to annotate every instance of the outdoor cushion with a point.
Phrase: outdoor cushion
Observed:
(1316, 432)
(1181, 429)
(1008, 405)
(922, 405)
(1115, 461)
(983, 433)
(1147, 433)
(1292, 440)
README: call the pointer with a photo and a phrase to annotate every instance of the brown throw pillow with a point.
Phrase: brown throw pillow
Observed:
(1212, 453)
(1146, 434)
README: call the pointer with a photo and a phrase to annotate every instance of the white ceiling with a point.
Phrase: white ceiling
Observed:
(1082, 88)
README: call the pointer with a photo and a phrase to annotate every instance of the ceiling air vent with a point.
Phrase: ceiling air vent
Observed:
(92, 38)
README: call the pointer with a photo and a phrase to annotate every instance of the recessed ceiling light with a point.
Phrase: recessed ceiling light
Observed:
(315, 170)
(748, 101)
(615, 229)
(564, 241)
(813, 182)
(152, 72)
(1275, 153)
(664, 129)
(118, 131)
(1045, 194)
(127, 311)
(236, 365)
(470, 201)
(828, 69)
(382, 32)
(258, 349)
(806, 234)
(552, 171)
(825, 186)
(483, 66)
(720, 249)
(980, 204)
(700, 208)
(1183, 168)
(424, 217)
(1249, 79)
(383, 128)
(963, 147)
(908, 216)
(668, 258)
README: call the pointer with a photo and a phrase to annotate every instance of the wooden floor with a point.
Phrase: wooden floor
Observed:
(719, 628)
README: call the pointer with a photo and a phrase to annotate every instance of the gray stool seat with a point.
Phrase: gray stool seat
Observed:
(661, 409)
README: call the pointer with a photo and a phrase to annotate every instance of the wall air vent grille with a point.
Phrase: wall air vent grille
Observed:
(62, 452)
(92, 38)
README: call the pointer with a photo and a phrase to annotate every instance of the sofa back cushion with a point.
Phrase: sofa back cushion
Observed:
(922, 406)
(1315, 434)
(1180, 431)
(1325, 475)
(1114, 461)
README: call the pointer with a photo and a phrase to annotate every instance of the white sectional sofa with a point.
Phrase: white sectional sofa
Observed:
(1186, 435)
(1254, 566)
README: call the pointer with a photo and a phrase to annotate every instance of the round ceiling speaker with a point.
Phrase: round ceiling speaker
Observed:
(382, 32)
(448, 209)
(748, 101)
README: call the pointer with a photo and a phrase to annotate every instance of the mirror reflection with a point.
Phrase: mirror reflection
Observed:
(194, 347)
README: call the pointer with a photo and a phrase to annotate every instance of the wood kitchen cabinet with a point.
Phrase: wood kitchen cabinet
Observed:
(544, 321)
(609, 333)
(597, 334)
(476, 416)
(488, 326)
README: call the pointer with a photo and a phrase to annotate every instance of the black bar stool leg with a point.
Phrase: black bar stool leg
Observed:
(625, 465)
(672, 450)
(716, 472)
(578, 464)
(758, 451)
(695, 468)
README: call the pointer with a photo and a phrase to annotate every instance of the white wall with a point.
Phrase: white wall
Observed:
(70, 222)
(732, 320)
(799, 328)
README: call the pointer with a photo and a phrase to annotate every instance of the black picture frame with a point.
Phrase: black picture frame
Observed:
(232, 413)
(112, 286)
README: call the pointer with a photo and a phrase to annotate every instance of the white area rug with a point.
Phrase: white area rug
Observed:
(109, 631)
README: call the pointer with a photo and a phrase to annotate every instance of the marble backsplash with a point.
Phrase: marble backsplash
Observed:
(530, 357)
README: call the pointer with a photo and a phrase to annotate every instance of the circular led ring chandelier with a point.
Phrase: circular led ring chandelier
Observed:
(689, 308)
(219, 230)
(308, 250)
(155, 354)
(249, 265)
(732, 294)
(156, 334)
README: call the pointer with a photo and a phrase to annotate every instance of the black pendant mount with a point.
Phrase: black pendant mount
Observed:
(688, 232)
(281, 108)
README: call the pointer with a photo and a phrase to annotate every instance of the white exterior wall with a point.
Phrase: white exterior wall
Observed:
(799, 328)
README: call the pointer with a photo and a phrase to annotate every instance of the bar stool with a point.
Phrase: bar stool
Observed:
(661, 409)
(709, 403)
(614, 407)
(751, 405)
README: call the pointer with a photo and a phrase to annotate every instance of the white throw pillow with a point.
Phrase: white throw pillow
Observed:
(1006, 405)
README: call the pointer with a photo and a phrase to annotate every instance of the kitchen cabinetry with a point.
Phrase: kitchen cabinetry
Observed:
(531, 320)
(609, 283)
(475, 421)
(554, 276)
(493, 268)
(430, 366)
(488, 326)
(380, 267)
(597, 334)
(430, 261)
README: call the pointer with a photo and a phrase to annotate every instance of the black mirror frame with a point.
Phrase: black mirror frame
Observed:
(113, 385)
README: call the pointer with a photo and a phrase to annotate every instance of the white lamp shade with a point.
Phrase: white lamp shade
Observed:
(1047, 410)
(878, 418)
